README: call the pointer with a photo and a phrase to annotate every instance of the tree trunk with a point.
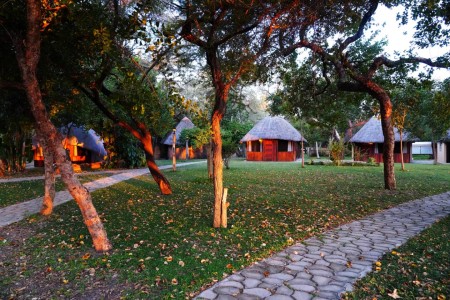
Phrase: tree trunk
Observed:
(27, 54)
(217, 168)
(389, 141)
(303, 155)
(209, 159)
(158, 176)
(49, 179)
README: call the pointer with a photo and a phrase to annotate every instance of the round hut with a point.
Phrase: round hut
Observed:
(369, 142)
(272, 139)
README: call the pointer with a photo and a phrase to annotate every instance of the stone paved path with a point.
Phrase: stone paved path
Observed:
(19, 211)
(325, 267)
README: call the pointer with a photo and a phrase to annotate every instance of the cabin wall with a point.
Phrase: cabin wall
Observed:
(269, 150)
(363, 151)
(180, 152)
(443, 152)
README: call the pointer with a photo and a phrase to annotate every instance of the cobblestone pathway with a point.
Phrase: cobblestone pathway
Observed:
(325, 267)
(19, 211)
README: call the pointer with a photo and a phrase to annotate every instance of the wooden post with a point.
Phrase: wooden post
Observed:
(303, 155)
(224, 222)
(317, 150)
(353, 152)
(174, 141)
(187, 149)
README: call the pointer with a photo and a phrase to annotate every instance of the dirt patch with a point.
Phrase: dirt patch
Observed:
(22, 276)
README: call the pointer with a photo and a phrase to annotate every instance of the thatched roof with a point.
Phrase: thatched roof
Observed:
(371, 132)
(81, 137)
(275, 128)
(185, 123)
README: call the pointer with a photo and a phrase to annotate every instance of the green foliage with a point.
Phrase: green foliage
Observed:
(124, 151)
(337, 149)
(198, 137)
(157, 239)
(232, 133)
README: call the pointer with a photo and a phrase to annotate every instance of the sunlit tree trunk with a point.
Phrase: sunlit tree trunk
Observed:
(217, 163)
(209, 159)
(49, 179)
(158, 176)
(27, 54)
(389, 141)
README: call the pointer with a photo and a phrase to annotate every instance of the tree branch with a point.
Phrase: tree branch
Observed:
(364, 21)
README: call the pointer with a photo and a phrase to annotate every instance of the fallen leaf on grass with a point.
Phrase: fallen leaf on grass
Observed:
(394, 294)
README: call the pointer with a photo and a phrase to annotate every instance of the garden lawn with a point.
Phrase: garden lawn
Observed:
(420, 269)
(15, 192)
(164, 246)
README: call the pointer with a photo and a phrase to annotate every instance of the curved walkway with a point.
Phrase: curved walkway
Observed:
(19, 211)
(325, 267)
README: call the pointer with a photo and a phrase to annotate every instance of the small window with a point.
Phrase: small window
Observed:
(283, 146)
(255, 146)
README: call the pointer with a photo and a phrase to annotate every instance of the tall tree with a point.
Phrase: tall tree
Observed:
(232, 36)
(27, 46)
(314, 24)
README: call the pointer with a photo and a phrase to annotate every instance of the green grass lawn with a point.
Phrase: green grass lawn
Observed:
(420, 269)
(15, 192)
(164, 246)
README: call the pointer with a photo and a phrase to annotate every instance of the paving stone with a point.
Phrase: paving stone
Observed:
(231, 283)
(320, 280)
(208, 294)
(304, 275)
(251, 282)
(273, 281)
(236, 277)
(321, 273)
(337, 267)
(332, 288)
(274, 262)
(259, 292)
(319, 267)
(299, 295)
(322, 262)
(300, 281)
(303, 288)
(226, 297)
(284, 290)
(279, 297)
(247, 297)
(252, 274)
(295, 257)
(282, 276)
(226, 290)
(327, 295)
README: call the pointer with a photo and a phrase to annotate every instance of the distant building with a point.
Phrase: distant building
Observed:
(180, 150)
(272, 139)
(369, 142)
(82, 145)
(443, 149)
(422, 148)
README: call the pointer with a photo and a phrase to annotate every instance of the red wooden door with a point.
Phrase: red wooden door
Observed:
(269, 150)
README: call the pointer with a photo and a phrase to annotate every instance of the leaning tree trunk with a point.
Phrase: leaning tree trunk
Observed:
(158, 176)
(389, 141)
(27, 55)
(49, 179)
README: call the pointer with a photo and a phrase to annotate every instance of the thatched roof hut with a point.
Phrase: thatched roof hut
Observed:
(369, 142)
(273, 128)
(372, 132)
(185, 123)
(83, 145)
(272, 139)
